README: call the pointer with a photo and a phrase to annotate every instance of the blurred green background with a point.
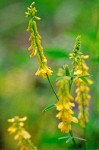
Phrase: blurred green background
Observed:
(24, 94)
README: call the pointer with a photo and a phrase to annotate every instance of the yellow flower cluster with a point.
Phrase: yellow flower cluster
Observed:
(64, 106)
(80, 70)
(20, 134)
(82, 90)
(36, 47)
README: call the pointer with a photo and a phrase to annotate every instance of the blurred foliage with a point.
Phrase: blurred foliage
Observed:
(23, 94)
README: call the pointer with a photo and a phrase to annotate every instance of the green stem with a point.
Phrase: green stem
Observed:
(84, 121)
(37, 43)
(85, 146)
(71, 134)
(52, 87)
(70, 84)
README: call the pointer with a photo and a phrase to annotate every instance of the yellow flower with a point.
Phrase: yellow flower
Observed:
(43, 71)
(82, 90)
(20, 134)
(64, 127)
(80, 70)
(64, 106)
(82, 99)
(42, 59)
(36, 47)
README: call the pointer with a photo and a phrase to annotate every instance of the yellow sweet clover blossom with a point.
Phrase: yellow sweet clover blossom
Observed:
(82, 80)
(64, 105)
(20, 134)
(36, 47)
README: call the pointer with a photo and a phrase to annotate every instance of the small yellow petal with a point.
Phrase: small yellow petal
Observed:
(75, 120)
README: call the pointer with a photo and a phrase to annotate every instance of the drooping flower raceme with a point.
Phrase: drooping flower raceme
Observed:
(20, 134)
(82, 81)
(36, 47)
(64, 105)
(82, 90)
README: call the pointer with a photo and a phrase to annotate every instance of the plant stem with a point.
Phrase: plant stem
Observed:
(71, 134)
(70, 84)
(84, 131)
(52, 87)
(85, 146)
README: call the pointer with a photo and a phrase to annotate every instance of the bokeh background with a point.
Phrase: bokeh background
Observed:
(24, 94)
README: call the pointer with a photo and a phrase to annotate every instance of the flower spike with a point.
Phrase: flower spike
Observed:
(36, 47)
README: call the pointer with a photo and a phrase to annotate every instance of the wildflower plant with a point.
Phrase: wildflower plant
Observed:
(80, 71)
(66, 78)
(20, 134)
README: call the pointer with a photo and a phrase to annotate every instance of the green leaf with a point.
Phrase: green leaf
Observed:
(84, 79)
(69, 139)
(64, 137)
(56, 53)
(49, 107)
(79, 138)
(86, 75)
